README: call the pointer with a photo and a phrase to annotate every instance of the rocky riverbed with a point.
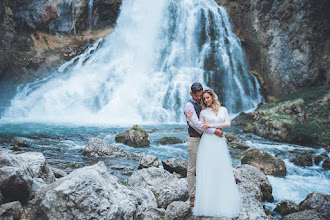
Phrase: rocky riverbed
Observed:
(111, 180)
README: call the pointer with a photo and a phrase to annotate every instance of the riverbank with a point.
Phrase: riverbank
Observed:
(63, 147)
(301, 118)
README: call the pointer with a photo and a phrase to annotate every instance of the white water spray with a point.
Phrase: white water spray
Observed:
(142, 72)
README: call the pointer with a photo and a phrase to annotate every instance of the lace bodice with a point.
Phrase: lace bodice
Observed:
(221, 120)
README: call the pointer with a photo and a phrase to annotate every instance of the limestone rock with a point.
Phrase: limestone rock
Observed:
(16, 178)
(176, 165)
(148, 161)
(135, 137)
(39, 166)
(286, 207)
(265, 162)
(165, 186)
(306, 215)
(293, 63)
(178, 210)
(318, 201)
(152, 214)
(170, 140)
(99, 147)
(254, 187)
(11, 211)
(91, 192)
(58, 173)
(254, 182)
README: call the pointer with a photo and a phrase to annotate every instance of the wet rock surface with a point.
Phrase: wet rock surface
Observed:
(176, 165)
(265, 162)
(135, 137)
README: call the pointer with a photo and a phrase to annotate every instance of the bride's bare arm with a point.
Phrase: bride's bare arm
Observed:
(225, 124)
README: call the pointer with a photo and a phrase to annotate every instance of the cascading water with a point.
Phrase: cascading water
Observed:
(143, 71)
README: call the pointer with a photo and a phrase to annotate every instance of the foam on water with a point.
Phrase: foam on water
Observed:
(142, 72)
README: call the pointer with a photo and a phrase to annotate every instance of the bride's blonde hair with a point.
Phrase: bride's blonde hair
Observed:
(215, 102)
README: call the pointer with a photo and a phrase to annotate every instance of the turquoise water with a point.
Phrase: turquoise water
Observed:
(62, 146)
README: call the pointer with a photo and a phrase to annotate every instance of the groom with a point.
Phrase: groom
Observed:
(193, 106)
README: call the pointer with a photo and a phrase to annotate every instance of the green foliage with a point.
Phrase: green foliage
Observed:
(316, 130)
(309, 133)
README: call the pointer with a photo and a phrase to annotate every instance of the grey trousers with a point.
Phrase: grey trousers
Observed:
(193, 143)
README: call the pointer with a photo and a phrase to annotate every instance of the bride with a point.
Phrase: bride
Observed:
(216, 191)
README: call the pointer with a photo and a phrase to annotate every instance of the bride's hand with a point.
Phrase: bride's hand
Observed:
(189, 114)
(205, 125)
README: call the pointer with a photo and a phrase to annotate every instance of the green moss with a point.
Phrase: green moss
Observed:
(170, 140)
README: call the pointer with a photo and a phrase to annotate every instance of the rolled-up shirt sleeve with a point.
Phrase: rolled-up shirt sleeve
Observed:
(195, 121)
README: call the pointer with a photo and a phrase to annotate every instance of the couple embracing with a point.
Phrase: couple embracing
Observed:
(213, 192)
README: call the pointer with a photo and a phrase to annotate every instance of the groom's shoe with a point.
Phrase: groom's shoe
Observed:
(192, 201)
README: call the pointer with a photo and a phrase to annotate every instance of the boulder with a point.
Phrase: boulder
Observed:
(176, 165)
(302, 160)
(135, 137)
(305, 215)
(91, 193)
(58, 173)
(286, 207)
(237, 144)
(318, 159)
(254, 187)
(165, 186)
(178, 210)
(39, 166)
(148, 161)
(152, 214)
(98, 147)
(265, 162)
(16, 178)
(326, 164)
(170, 140)
(318, 201)
(253, 182)
(11, 211)
(242, 119)
(20, 142)
(230, 137)
(276, 121)
(249, 128)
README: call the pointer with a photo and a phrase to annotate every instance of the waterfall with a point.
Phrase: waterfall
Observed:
(142, 72)
(90, 11)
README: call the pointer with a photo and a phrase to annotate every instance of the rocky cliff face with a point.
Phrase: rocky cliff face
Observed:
(286, 42)
(36, 36)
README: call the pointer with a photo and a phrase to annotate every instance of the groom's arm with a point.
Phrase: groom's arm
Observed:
(194, 119)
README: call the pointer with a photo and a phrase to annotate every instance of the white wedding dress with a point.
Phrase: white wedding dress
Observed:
(216, 191)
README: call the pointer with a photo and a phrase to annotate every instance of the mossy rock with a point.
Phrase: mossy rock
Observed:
(170, 140)
(303, 160)
(230, 137)
(249, 128)
(135, 137)
(264, 161)
(20, 142)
